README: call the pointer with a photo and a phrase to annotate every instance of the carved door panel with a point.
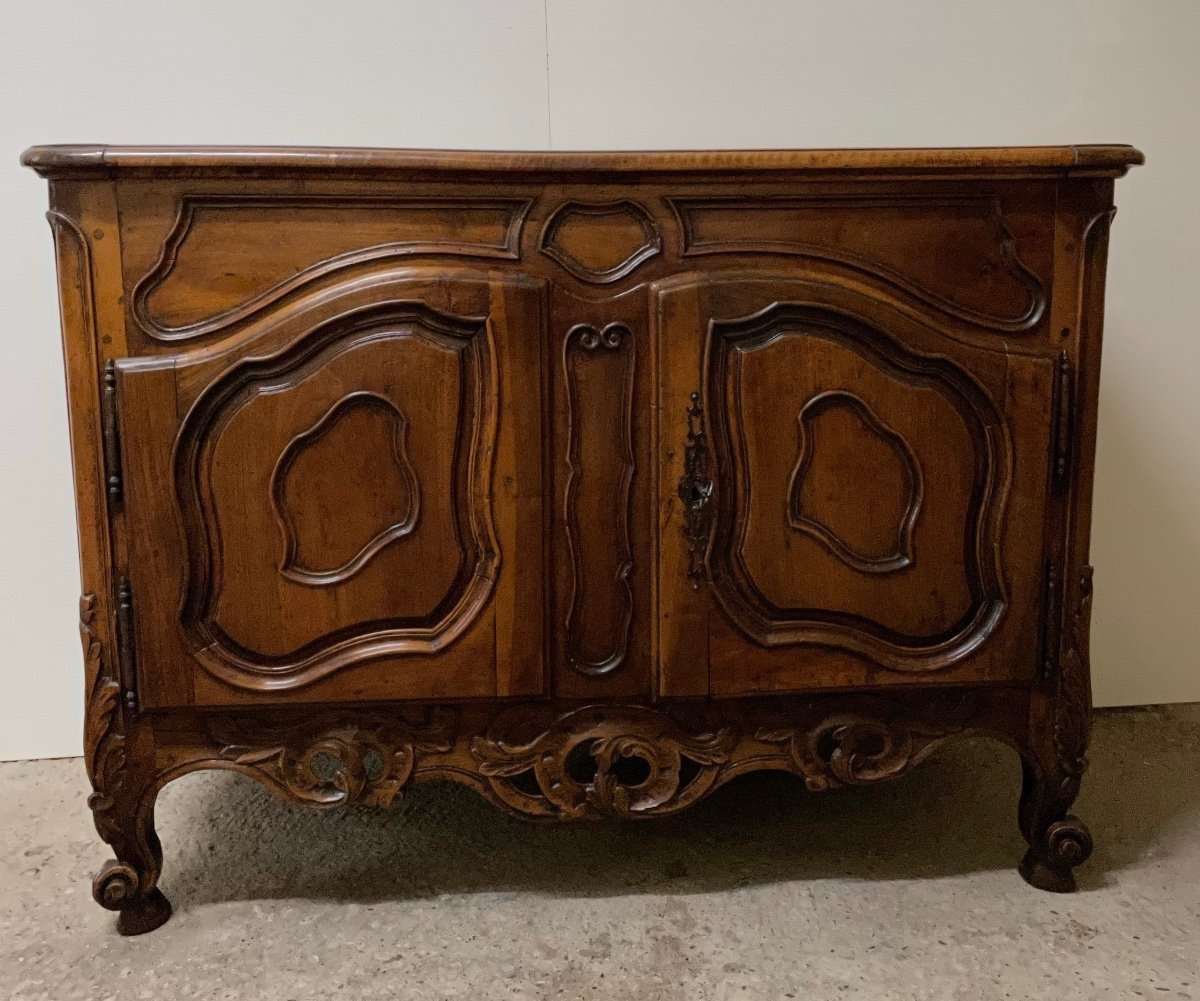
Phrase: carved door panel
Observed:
(854, 494)
(338, 501)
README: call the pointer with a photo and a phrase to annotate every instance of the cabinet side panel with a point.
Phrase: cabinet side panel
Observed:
(83, 220)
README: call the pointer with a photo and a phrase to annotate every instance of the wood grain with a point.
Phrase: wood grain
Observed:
(589, 480)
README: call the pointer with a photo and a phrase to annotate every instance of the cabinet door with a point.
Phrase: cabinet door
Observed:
(340, 501)
(853, 495)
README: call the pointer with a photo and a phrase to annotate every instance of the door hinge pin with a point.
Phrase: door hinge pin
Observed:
(1063, 420)
(1049, 657)
(111, 433)
(125, 642)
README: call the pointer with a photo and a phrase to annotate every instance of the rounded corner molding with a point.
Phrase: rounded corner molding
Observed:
(640, 239)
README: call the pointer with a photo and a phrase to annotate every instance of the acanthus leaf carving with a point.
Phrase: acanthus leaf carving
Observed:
(634, 761)
(331, 761)
(104, 742)
(857, 748)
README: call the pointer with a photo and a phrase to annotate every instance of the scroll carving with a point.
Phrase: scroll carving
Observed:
(612, 353)
(332, 761)
(901, 554)
(633, 761)
(854, 749)
(601, 762)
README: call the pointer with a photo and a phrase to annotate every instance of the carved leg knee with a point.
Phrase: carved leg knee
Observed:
(1058, 841)
(128, 883)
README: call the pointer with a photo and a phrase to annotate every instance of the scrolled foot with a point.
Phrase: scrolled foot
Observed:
(1049, 863)
(118, 888)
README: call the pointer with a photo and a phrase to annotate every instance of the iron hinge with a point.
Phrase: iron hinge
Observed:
(1050, 612)
(110, 427)
(1063, 421)
(127, 662)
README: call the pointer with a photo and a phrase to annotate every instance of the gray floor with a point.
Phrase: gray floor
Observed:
(902, 891)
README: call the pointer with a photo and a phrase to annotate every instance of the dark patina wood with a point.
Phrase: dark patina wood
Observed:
(591, 481)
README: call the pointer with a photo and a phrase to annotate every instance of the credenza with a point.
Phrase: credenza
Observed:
(589, 480)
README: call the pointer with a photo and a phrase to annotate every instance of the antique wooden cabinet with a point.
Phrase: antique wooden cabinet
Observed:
(591, 481)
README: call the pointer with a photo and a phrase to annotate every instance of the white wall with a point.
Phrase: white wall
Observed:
(571, 74)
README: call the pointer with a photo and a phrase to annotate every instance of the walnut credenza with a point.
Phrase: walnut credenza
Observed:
(591, 481)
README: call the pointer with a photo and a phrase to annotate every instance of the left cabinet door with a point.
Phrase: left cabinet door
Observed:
(342, 500)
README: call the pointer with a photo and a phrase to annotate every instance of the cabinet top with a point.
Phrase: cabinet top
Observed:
(183, 161)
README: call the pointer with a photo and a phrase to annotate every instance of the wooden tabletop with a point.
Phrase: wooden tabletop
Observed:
(98, 160)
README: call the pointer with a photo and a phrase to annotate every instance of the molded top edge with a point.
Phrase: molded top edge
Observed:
(99, 160)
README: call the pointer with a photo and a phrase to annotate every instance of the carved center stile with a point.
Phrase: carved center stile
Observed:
(598, 369)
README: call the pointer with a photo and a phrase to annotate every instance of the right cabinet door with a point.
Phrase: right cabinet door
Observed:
(851, 494)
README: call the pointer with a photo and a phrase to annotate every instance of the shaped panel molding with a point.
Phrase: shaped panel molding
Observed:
(969, 269)
(404, 510)
(900, 554)
(600, 242)
(598, 369)
(273, 413)
(224, 259)
(969, 494)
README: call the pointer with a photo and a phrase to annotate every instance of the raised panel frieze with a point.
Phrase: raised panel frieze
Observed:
(600, 242)
(227, 257)
(953, 252)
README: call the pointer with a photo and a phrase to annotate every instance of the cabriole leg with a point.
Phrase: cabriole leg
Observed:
(1058, 840)
(128, 884)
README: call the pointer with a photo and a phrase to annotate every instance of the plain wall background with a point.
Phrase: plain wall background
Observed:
(572, 74)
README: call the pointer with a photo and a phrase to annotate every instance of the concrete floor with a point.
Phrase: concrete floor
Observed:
(902, 891)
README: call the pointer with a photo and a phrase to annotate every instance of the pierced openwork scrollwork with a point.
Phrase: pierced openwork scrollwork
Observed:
(624, 761)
